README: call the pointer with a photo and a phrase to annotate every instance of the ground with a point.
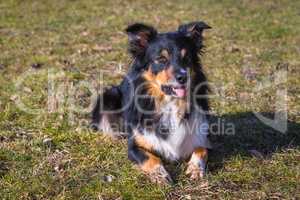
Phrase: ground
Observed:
(46, 151)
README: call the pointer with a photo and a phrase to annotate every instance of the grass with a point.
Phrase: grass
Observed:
(47, 153)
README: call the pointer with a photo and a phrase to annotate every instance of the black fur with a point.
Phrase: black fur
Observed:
(109, 104)
(135, 153)
(145, 45)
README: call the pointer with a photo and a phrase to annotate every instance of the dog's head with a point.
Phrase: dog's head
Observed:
(167, 59)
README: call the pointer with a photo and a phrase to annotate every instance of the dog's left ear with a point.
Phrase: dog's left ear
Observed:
(139, 36)
(194, 31)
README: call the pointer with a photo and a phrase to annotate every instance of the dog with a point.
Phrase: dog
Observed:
(161, 104)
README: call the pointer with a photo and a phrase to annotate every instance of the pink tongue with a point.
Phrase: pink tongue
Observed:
(180, 92)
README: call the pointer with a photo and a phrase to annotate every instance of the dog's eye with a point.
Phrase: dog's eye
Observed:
(186, 59)
(161, 60)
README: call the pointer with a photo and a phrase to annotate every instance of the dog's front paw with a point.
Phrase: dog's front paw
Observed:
(160, 175)
(196, 170)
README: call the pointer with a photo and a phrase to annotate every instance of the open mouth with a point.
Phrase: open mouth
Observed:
(177, 91)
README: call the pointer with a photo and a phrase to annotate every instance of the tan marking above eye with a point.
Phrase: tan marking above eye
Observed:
(161, 59)
(164, 57)
(165, 54)
(183, 52)
(154, 82)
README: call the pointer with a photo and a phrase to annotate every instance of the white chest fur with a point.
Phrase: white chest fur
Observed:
(183, 135)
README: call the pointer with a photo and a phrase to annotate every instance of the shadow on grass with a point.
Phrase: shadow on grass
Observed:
(251, 138)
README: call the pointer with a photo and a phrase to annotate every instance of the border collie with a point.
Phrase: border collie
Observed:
(161, 104)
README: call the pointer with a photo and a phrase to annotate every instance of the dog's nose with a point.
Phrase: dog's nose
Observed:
(181, 77)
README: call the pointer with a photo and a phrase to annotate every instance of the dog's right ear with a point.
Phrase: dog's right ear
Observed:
(139, 36)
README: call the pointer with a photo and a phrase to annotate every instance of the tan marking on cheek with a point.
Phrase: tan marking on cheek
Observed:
(154, 88)
(162, 77)
(158, 95)
(183, 52)
(148, 75)
(151, 163)
(141, 142)
(170, 72)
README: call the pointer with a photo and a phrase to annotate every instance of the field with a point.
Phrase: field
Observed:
(52, 53)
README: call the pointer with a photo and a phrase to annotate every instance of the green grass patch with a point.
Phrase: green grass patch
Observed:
(74, 40)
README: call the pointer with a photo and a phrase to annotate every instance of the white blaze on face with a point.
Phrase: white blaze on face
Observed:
(180, 91)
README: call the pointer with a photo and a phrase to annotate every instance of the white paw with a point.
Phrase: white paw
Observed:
(196, 170)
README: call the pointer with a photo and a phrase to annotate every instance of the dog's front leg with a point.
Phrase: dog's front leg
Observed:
(149, 163)
(197, 163)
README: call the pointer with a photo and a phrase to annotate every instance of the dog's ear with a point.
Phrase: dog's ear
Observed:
(194, 31)
(139, 36)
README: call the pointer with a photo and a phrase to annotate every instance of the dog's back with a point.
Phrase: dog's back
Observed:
(107, 112)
